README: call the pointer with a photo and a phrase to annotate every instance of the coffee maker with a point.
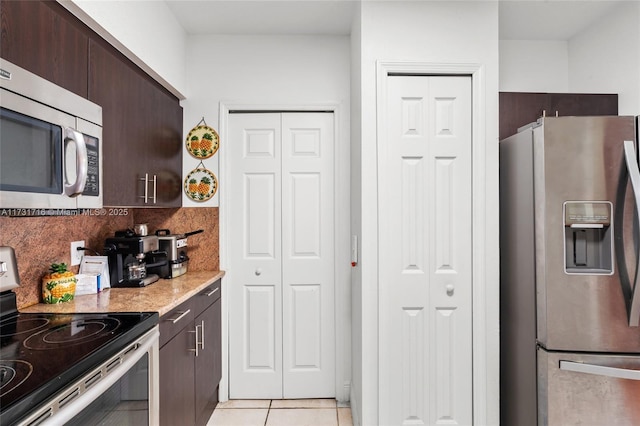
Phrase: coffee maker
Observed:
(127, 254)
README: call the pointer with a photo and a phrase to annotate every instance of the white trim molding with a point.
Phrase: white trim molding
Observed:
(484, 268)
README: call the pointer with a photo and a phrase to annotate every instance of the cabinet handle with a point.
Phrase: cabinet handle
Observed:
(145, 179)
(196, 348)
(214, 291)
(202, 337)
(199, 343)
(155, 186)
(179, 317)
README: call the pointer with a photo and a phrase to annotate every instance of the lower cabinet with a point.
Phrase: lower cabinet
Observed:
(190, 359)
(208, 364)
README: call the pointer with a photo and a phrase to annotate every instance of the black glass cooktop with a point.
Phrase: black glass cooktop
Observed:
(42, 353)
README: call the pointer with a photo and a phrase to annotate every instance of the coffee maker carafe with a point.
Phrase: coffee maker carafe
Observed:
(127, 254)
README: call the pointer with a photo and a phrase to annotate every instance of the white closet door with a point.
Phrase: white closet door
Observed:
(425, 252)
(307, 255)
(255, 296)
(281, 298)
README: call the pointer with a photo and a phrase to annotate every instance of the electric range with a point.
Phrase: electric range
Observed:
(41, 354)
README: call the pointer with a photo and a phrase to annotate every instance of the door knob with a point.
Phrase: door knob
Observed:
(258, 271)
(449, 288)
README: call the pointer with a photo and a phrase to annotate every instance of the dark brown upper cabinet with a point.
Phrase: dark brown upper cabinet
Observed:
(44, 38)
(518, 109)
(142, 132)
(142, 121)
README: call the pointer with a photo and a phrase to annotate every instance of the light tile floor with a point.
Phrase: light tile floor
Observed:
(277, 412)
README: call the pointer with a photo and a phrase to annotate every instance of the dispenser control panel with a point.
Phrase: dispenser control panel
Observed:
(588, 239)
(577, 214)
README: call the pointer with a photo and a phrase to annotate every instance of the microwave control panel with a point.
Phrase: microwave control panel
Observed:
(92, 185)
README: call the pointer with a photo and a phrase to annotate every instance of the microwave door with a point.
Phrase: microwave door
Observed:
(32, 154)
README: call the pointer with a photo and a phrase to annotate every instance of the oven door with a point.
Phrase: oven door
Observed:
(123, 390)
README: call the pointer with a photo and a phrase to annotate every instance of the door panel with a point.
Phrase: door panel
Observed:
(255, 318)
(593, 395)
(425, 252)
(282, 293)
(260, 319)
(592, 149)
(307, 255)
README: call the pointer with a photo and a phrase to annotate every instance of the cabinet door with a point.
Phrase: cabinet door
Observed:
(519, 109)
(207, 363)
(582, 104)
(142, 133)
(217, 344)
(44, 38)
(164, 148)
(176, 380)
(119, 90)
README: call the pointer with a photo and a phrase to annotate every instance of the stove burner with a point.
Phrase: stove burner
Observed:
(12, 373)
(77, 332)
(15, 326)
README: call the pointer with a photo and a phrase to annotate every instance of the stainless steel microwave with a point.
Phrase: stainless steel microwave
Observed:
(50, 144)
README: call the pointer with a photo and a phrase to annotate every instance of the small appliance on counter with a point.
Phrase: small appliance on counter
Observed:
(175, 247)
(56, 368)
(127, 253)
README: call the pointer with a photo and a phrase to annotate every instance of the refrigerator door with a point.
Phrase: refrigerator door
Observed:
(630, 286)
(587, 389)
(584, 211)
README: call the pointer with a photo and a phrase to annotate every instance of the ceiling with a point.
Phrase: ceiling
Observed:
(519, 19)
(549, 20)
(264, 17)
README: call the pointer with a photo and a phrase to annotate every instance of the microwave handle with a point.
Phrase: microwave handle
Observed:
(73, 136)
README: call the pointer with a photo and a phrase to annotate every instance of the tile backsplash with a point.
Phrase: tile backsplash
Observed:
(40, 241)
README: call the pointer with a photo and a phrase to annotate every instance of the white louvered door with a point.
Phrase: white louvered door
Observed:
(425, 261)
(281, 298)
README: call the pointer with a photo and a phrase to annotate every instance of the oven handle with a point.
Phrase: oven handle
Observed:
(146, 344)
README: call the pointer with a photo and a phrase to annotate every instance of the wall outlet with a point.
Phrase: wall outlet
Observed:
(76, 255)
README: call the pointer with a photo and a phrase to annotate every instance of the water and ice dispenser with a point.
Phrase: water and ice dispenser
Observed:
(588, 237)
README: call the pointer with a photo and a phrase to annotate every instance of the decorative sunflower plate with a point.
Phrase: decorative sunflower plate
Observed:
(200, 184)
(202, 141)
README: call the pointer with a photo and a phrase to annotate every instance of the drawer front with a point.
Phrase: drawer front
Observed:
(206, 297)
(175, 320)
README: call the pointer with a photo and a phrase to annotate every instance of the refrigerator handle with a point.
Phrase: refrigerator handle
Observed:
(600, 370)
(633, 302)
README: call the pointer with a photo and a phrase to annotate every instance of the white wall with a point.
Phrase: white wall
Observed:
(267, 70)
(534, 66)
(605, 58)
(356, 222)
(145, 29)
(434, 32)
(283, 72)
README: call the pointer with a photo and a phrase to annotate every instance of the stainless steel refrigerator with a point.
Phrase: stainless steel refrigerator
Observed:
(570, 298)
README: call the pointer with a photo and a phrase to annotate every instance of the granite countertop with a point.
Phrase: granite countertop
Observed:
(161, 296)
